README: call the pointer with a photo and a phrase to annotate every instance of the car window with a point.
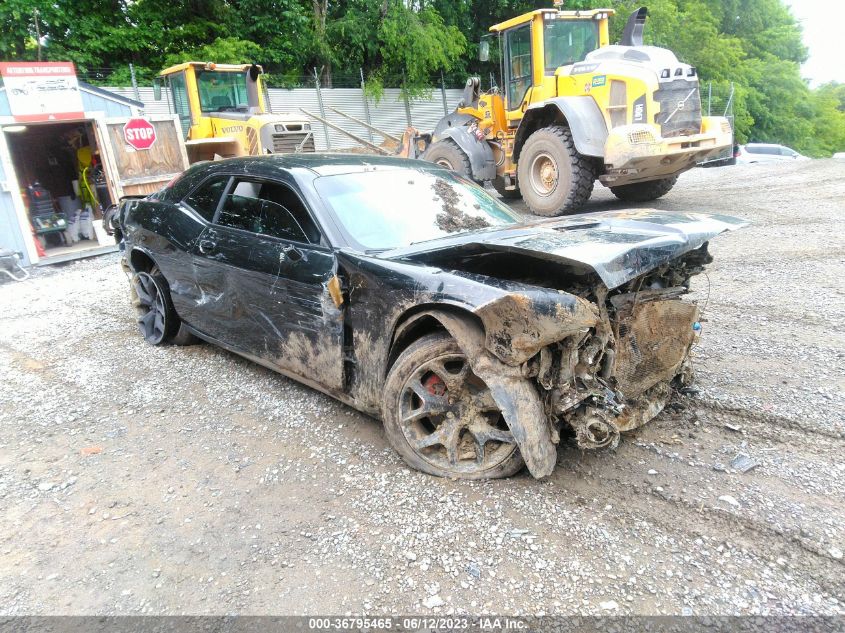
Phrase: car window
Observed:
(785, 151)
(204, 198)
(432, 204)
(268, 208)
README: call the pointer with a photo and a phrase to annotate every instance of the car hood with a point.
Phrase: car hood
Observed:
(617, 245)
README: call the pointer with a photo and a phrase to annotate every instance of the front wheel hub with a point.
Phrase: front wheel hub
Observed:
(450, 419)
(544, 174)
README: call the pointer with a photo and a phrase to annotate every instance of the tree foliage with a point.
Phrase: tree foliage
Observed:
(754, 46)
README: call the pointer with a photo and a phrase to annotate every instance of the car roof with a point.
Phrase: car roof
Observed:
(323, 164)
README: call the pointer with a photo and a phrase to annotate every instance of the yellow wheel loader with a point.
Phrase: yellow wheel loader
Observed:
(223, 109)
(574, 109)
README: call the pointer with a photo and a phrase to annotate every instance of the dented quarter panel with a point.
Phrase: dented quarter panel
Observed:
(168, 243)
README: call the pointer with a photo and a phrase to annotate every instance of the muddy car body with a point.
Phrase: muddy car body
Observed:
(476, 344)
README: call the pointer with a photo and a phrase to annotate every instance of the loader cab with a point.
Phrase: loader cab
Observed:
(536, 45)
(197, 91)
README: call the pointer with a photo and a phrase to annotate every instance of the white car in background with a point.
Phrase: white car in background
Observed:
(766, 153)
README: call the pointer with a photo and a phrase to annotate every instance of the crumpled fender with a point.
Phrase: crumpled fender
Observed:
(516, 396)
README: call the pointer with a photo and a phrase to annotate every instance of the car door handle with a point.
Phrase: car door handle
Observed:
(206, 246)
(292, 253)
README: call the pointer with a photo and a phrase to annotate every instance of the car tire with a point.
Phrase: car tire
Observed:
(474, 409)
(553, 177)
(645, 191)
(157, 319)
(508, 194)
(446, 153)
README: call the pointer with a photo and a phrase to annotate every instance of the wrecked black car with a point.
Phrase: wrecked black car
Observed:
(477, 336)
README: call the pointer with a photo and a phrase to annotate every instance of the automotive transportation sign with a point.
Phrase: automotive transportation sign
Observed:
(42, 91)
(139, 133)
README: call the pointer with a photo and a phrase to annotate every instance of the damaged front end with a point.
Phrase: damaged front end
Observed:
(613, 372)
(599, 327)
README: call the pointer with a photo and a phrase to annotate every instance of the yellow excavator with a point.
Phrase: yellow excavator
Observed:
(223, 110)
(575, 109)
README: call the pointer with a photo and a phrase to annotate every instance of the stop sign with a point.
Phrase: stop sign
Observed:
(139, 133)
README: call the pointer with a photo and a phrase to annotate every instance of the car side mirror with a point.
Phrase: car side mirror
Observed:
(484, 50)
(157, 88)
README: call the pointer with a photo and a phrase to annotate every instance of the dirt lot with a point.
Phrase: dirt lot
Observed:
(186, 480)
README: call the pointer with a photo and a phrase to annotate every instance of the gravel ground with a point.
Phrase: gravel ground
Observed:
(187, 480)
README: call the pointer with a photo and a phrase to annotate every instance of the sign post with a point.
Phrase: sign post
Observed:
(139, 133)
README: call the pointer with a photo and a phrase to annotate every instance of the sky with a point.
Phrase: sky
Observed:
(822, 22)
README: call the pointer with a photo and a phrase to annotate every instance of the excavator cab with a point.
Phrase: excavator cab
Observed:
(223, 110)
(538, 45)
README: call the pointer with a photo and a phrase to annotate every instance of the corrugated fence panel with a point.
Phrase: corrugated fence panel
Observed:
(151, 106)
(387, 114)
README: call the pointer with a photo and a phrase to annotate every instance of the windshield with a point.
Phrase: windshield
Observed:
(222, 91)
(391, 208)
(569, 41)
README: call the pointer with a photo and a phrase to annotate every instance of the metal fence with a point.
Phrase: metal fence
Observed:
(393, 112)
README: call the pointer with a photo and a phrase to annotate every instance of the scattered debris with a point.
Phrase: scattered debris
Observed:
(729, 500)
(743, 463)
(92, 450)
(433, 601)
(732, 427)
(835, 552)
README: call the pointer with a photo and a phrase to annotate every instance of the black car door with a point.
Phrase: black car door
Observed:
(277, 268)
(207, 306)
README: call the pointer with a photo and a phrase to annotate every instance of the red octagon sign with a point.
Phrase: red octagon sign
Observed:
(139, 133)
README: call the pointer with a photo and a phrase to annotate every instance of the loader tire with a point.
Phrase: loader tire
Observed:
(645, 191)
(446, 153)
(508, 194)
(553, 177)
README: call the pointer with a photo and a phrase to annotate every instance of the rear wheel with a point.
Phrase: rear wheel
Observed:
(446, 153)
(442, 419)
(553, 177)
(508, 194)
(645, 191)
(157, 320)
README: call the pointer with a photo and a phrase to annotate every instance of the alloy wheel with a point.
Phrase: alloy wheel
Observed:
(151, 308)
(448, 416)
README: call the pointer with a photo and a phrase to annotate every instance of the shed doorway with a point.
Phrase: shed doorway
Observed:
(63, 184)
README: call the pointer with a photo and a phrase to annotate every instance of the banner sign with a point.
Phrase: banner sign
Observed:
(42, 91)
